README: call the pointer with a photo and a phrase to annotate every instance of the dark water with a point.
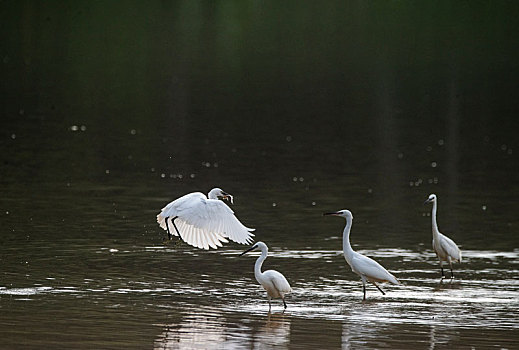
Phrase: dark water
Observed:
(109, 111)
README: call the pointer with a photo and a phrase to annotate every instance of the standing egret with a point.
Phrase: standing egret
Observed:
(272, 281)
(204, 222)
(445, 248)
(367, 268)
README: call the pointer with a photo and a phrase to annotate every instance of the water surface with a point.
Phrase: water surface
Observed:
(110, 112)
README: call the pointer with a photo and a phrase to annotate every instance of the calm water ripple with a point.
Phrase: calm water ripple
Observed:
(226, 306)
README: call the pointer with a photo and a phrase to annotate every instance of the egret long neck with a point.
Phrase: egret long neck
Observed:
(346, 246)
(433, 218)
(258, 264)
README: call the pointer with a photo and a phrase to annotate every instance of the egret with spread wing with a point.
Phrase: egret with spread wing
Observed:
(445, 248)
(367, 268)
(202, 221)
(272, 281)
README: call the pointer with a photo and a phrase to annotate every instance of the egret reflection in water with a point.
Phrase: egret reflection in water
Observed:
(209, 328)
(199, 329)
(275, 332)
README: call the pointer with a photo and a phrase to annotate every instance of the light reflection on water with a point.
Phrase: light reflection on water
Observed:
(204, 328)
(230, 310)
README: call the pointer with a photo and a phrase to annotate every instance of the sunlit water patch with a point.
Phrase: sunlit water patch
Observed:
(213, 297)
(24, 291)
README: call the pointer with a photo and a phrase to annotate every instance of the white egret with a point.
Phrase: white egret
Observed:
(204, 222)
(445, 248)
(367, 268)
(272, 281)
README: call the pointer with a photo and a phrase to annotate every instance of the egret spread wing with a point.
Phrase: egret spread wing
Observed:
(371, 269)
(204, 222)
(216, 216)
(179, 205)
(198, 237)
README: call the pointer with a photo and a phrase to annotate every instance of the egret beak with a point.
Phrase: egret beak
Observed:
(427, 201)
(248, 250)
(227, 196)
(332, 214)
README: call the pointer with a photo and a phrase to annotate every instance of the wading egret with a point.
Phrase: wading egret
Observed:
(445, 248)
(202, 221)
(367, 268)
(272, 281)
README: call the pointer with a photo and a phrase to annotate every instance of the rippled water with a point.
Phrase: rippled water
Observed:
(132, 290)
(110, 112)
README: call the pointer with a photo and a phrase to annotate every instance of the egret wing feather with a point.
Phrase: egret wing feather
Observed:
(177, 207)
(450, 248)
(368, 267)
(180, 205)
(280, 282)
(200, 238)
(211, 241)
(216, 216)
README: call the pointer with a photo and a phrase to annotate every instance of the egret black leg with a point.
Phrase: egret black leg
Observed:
(443, 275)
(452, 273)
(364, 290)
(167, 228)
(284, 303)
(380, 289)
(175, 226)
(270, 306)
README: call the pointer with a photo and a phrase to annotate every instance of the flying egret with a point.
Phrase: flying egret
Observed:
(367, 268)
(445, 248)
(202, 221)
(272, 281)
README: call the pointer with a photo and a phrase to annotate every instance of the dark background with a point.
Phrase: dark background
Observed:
(360, 100)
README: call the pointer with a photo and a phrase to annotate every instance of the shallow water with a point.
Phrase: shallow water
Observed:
(120, 294)
(108, 115)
